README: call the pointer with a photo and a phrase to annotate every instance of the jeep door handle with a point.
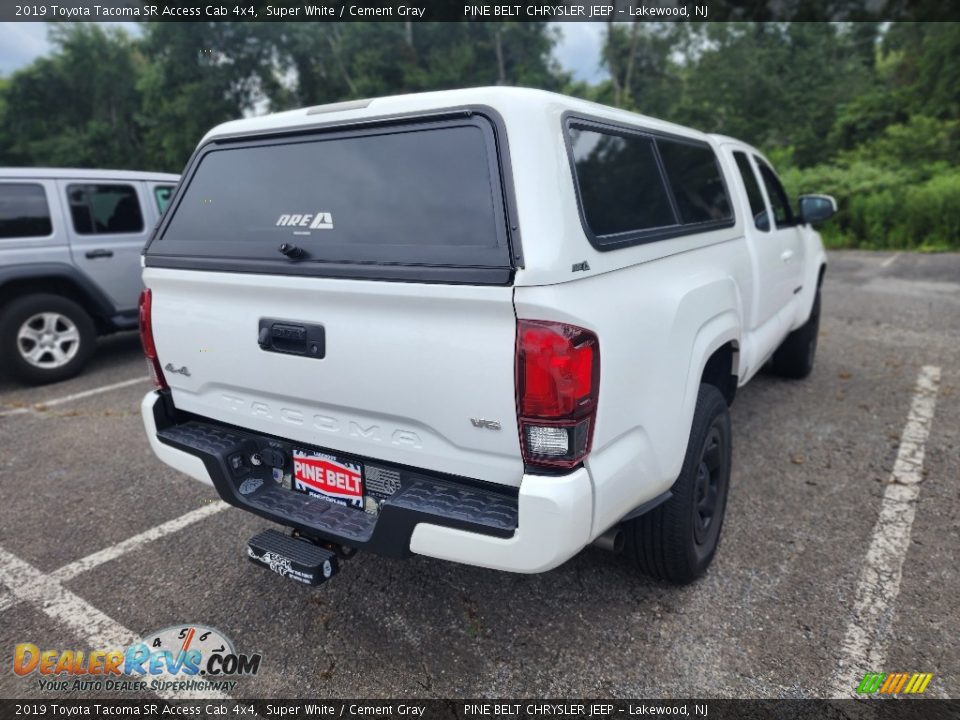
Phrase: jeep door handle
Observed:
(786, 255)
(99, 253)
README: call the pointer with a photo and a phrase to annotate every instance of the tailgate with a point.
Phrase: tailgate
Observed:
(407, 366)
(393, 243)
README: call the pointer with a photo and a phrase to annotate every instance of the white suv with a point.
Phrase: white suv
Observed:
(490, 326)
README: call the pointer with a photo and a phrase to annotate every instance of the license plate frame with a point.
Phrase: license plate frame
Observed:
(329, 477)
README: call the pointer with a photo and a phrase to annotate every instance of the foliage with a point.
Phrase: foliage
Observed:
(57, 112)
(104, 99)
(864, 111)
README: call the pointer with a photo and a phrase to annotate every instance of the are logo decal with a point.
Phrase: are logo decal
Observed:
(315, 221)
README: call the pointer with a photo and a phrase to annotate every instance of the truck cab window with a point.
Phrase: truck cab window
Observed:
(758, 208)
(782, 214)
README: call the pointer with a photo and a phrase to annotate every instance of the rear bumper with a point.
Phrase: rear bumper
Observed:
(533, 530)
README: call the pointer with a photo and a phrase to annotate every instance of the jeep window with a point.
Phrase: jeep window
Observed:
(104, 209)
(782, 214)
(416, 194)
(621, 189)
(162, 194)
(695, 181)
(24, 211)
(758, 207)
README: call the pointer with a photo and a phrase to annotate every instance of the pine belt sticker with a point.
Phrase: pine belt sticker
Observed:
(328, 478)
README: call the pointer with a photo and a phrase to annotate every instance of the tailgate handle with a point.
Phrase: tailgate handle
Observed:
(292, 338)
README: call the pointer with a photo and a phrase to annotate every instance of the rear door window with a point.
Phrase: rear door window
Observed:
(636, 186)
(104, 209)
(758, 207)
(782, 214)
(418, 194)
(162, 194)
(695, 180)
(24, 211)
(621, 188)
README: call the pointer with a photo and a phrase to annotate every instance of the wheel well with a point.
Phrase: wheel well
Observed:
(720, 371)
(53, 286)
(823, 269)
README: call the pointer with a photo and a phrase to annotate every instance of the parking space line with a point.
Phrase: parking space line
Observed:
(83, 619)
(889, 261)
(70, 571)
(76, 396)
(29, 584)
(863, 648)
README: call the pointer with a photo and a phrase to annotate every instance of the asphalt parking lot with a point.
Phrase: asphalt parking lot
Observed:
(823, 570)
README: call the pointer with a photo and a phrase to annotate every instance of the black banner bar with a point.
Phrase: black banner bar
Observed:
(480, 10)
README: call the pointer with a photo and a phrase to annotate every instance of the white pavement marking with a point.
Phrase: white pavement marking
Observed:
(71, 570)
(95, 627)
(76, 396)
(68, 572)
(889, 261)
(864, 649)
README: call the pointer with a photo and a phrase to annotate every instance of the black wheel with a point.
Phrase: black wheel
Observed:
(796, 354)
(677, 540)
(45, 338)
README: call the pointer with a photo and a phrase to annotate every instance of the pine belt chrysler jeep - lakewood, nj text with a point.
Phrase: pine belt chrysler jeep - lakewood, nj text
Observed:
(490, 326)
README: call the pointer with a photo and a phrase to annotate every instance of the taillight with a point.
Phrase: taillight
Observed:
(558, 381)
(146, 339)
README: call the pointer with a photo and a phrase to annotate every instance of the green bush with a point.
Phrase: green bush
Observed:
(911, 207)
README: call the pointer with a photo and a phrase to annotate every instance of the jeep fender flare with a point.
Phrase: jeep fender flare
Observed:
(90, 296)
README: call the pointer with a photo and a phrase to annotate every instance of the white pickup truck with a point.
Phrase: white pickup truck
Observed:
(491, 326)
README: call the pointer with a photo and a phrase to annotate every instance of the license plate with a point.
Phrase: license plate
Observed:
(328, 477)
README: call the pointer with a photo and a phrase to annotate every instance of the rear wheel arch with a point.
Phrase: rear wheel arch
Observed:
(720, 370)
(45, 337)
(64, 283)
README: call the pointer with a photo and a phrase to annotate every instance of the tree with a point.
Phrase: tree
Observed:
(198, 75)
(772, 84)
(643, 75)
(79, 105)
(330, 62)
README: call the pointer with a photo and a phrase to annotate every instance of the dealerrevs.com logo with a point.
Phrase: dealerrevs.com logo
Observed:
(182, 657)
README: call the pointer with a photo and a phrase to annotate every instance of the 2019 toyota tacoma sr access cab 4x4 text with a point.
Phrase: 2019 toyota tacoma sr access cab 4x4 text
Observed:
(490, 326)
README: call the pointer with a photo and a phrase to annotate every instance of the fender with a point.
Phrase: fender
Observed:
(97, 301)
(721, 298)
(816, 259)
(706, 318)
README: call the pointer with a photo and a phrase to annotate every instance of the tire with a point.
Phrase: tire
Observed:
(795, 357)
(677, 540)
(46, 338)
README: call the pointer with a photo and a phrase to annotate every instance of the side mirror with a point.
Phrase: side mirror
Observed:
(816, 208)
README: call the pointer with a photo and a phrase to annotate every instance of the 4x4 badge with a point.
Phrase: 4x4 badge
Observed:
(179, 371)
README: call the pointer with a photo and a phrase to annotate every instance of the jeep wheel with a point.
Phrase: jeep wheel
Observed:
(794, 358)
(46, 338)
(677, 540)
